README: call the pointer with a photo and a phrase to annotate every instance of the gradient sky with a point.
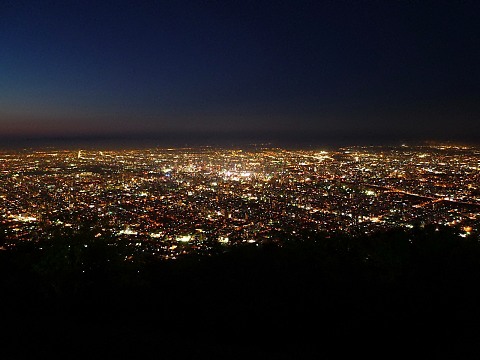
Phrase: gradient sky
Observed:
(264, 69)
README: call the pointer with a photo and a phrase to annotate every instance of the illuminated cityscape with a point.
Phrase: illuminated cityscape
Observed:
(169, 202)
(239, 179)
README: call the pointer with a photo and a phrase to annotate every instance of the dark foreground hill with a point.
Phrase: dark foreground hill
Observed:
(403, 293)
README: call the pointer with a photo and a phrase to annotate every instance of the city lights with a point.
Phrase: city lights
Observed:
(169, 202)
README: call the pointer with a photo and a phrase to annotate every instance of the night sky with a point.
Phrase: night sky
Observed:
(305, 72)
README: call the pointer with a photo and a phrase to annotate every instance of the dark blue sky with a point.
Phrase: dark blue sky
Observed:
(296, 70)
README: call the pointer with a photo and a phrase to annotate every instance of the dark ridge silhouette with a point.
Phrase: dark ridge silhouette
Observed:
(397, 292)
(292, 139)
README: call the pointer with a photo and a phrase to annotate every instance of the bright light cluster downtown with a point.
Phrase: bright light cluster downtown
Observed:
(169, 202)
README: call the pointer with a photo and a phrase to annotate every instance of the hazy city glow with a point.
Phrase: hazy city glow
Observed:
(169, 202)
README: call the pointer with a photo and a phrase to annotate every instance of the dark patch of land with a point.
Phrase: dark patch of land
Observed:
(396, 293)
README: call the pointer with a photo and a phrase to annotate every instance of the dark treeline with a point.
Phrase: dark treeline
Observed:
(393, 292)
